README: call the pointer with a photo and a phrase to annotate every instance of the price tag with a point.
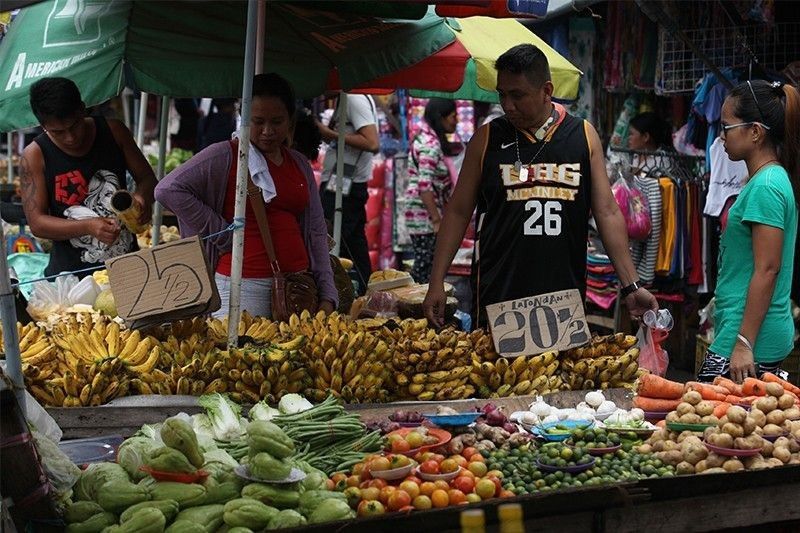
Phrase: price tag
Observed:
(537, 324)
(167, 282)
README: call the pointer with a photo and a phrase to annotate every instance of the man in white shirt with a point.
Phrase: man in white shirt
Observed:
(361, 142)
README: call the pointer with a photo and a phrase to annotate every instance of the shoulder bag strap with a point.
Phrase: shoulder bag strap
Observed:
(256, 198)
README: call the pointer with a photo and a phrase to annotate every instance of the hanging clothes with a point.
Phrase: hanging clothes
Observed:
(666, 245)
(645, 253)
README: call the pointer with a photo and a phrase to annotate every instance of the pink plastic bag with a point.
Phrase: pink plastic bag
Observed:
(635, 209)
(655, 328)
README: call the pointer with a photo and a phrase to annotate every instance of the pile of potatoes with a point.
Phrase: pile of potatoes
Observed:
(774, 415)
(693, 410)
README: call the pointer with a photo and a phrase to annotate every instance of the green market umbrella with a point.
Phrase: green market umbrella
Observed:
(193, 49)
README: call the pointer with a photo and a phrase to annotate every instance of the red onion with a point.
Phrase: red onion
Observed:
(495, 418)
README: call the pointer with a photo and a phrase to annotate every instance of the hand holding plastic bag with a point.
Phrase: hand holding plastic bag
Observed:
(655, 328)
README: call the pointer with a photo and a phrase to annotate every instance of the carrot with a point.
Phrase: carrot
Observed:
(721, 409)
(731, 386)
(661, 424)
(734, 399)
(653, 386)
(655, 404)
(769, 377)
(750, 399)
(754, 387)
(707, 392)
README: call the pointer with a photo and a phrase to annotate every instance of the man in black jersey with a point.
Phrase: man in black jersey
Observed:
(69, 173)
(535, 175)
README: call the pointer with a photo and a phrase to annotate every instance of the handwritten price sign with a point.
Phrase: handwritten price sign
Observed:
(529, 326)
(166, 282)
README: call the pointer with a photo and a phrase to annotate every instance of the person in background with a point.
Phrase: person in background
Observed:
(760, 125)
(220, 123)
(306, 137)
(69, 173)
(534, 175)
(429, 182)
(647, 132)
(361, 140)
(190, 113)
(201, 192)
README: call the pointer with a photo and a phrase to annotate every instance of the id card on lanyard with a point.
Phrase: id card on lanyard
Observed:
(347, 184)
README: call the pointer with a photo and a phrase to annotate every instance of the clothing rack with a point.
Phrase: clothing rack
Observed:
(658, 153)
(681, 166)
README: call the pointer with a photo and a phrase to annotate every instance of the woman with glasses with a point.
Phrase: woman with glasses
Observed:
(754, 327)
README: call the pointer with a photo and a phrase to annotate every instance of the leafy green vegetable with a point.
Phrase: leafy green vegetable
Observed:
(293, 403)
(223, 415)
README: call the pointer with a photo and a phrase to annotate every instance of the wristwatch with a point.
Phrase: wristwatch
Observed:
(630, 289)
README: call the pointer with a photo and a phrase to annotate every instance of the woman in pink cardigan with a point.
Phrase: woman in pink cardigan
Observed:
(201, 194)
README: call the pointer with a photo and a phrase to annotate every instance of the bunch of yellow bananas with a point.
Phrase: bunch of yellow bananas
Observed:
(608, 361)
(516, 377)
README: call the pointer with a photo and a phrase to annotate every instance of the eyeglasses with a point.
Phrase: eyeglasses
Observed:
(723, 132)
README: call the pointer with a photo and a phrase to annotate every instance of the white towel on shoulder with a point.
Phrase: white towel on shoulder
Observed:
(259, 172)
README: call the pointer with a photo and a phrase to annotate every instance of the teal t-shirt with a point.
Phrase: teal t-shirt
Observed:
(766, 199)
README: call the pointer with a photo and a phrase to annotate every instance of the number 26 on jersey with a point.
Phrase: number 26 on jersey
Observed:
(544, 218)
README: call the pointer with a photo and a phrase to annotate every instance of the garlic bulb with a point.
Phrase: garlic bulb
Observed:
(594, 398)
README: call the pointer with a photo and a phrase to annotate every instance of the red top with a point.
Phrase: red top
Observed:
(283, 214)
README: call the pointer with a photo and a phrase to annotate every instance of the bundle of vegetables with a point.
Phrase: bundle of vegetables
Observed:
(328, 438)
(657, 394)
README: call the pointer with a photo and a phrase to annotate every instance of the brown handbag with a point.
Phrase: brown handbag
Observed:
(291, 293)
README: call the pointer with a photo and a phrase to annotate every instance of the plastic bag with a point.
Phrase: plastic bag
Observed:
(53, 299)
(707, 320)
(655, 328)
(635, 209)
(380, 304)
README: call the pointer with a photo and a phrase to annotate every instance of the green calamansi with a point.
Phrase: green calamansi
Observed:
(179, 435)
(263, 436)
(246, 512)
(266, 467)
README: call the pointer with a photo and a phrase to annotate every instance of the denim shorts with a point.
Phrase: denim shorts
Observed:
(715, 365)
(256, 296)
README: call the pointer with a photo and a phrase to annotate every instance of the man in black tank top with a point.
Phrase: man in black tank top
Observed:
(69, 173)
(535, 175)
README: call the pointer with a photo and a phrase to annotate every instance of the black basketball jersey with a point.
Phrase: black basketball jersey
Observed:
(79, 188)
(531, 235)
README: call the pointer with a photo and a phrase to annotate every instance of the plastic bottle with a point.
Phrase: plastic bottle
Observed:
(510, 515)
(473, 521)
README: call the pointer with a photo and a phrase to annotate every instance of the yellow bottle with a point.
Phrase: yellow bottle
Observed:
(473, 521)
(510, 515)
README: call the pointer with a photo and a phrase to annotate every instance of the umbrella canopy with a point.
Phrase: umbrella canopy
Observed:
(192, 49)
(466, 70)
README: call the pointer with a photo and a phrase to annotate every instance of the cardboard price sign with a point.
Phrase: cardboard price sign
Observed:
(168, 282)
(537, 324)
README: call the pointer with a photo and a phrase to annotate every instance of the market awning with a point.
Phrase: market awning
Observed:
(195, 49)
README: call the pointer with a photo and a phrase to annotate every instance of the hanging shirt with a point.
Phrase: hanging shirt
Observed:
(766, 199)
(79, 188)
(727, 178)
(669, 218)
(644, 253)
(532, 234)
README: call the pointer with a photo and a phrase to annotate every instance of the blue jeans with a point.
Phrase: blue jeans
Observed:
(256, 296)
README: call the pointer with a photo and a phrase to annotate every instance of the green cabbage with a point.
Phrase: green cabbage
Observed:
(131, 455)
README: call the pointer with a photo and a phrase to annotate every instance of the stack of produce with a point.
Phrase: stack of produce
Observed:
(607, 362)
(327, 438)
(126, 499)
(431, 366)
(499, 377)
(731, 428)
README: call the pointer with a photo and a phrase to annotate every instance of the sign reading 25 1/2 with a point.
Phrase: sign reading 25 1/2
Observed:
(537, 324)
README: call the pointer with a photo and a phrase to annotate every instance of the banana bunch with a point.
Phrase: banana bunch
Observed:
(516, 377)
(90, 385)
(139, 353)
(342, 356)
(430, 365)
(183, 351)
(609, 361)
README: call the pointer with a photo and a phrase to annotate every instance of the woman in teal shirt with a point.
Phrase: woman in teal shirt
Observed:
(754, 327)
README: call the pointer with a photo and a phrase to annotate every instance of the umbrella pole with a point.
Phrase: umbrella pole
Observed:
(261, 36)
(337, 214)
(237, 259)
(10, 150)
(8, 312)
(142, 119)
(162, 155)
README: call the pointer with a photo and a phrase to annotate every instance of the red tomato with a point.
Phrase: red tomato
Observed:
(386, 492)
(370, 508)
(379, 483)
(399, 499)
(465, 484)
(468, 452)
(429, 467)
